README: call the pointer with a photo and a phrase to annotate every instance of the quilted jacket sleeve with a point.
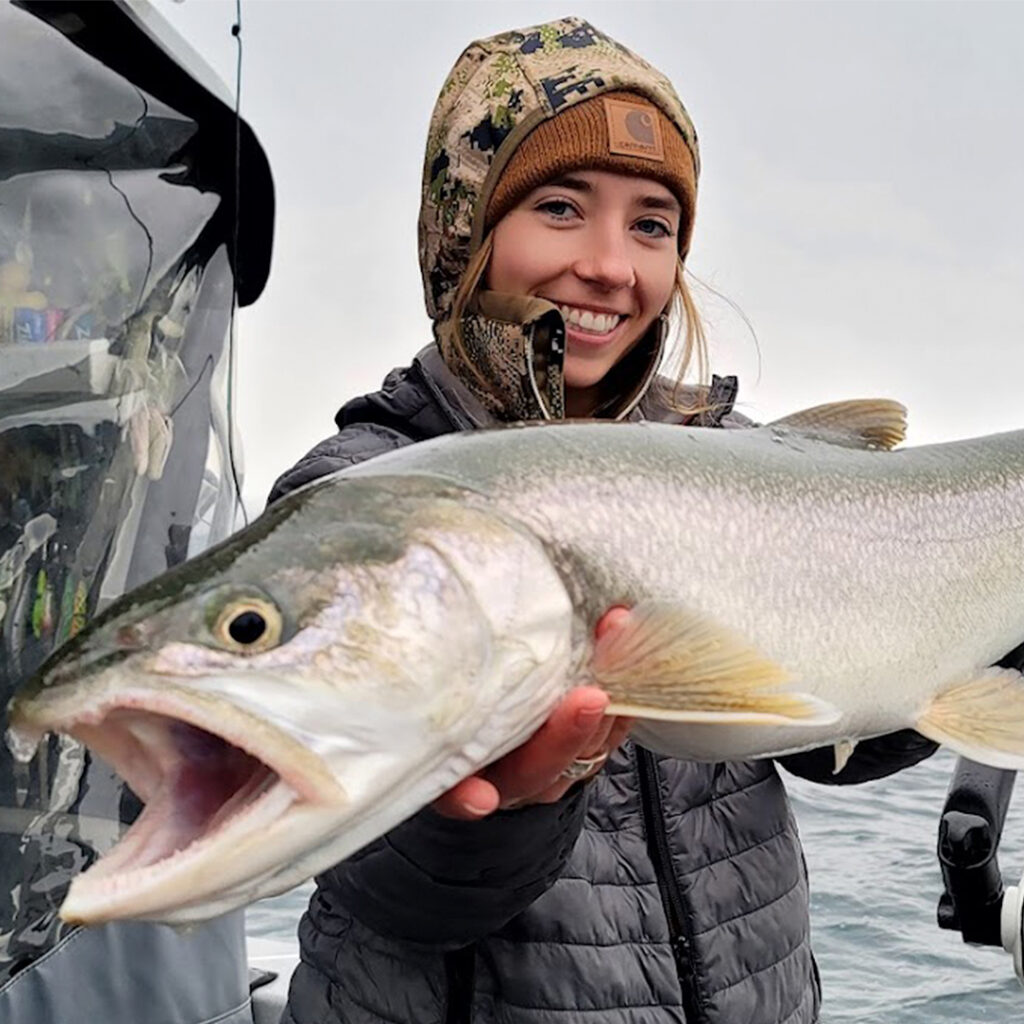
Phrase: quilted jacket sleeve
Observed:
(351, 445)
(444, 884)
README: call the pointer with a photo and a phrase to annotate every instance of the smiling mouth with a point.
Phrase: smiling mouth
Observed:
(588, 324)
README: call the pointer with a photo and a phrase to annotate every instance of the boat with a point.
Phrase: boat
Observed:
(136, 215)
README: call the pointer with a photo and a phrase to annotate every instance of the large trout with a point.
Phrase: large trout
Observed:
(379, 635)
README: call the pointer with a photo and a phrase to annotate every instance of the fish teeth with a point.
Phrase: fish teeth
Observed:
(587, 320)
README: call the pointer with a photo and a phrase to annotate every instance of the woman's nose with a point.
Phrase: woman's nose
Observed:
(606, 264)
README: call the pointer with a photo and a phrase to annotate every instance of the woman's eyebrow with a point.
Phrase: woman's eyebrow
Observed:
(571, 183)
(667, 203)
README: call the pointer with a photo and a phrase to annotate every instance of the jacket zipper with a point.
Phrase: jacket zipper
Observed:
(680, 939)
(460, 970)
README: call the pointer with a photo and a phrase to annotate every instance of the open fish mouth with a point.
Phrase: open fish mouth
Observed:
(193, 783)
(211, 799)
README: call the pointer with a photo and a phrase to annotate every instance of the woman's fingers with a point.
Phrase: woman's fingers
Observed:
(617, 617)
(619, 731)
(576, 728)
(471, 799)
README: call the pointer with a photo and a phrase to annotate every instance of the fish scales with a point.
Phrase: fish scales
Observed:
(839, 563)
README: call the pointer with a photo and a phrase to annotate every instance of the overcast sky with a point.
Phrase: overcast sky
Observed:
(861, 198)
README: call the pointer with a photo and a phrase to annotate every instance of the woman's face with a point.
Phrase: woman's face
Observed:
(600, 246)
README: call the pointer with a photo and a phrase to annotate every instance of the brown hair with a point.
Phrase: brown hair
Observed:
(682, 310)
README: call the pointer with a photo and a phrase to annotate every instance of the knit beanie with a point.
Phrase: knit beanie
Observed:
(621, 132)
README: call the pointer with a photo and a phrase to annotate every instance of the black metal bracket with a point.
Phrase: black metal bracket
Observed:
(969, 833)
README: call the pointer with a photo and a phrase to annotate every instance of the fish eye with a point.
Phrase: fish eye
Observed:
(248, 626)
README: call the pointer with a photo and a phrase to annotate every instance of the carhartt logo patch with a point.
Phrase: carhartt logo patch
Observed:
(633, 130)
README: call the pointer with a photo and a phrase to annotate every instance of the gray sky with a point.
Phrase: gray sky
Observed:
(861, 196)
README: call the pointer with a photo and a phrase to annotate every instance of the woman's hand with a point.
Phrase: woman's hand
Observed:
(535, 773)
(532, 774)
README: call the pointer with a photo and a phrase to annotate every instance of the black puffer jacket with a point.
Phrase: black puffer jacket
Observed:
(661, 891)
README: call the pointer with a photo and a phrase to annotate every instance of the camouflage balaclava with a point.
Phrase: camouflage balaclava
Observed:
(499, 91)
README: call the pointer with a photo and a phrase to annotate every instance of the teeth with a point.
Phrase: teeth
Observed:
(585, 320)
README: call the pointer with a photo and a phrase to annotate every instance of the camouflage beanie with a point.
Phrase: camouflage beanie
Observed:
(500, 91)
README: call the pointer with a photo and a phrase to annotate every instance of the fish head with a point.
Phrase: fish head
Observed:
(293, 693)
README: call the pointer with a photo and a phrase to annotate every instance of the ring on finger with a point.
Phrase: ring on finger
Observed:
(583, 766)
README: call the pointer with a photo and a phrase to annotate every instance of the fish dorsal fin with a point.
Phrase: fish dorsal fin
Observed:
(857, 423)
(982, 719)
(671, 663)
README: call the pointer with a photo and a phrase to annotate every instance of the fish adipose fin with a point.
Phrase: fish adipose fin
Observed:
(858, 423)
(982, 719)
(670, 663)
(843, 752)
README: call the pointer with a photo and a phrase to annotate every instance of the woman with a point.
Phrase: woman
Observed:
(580, 877)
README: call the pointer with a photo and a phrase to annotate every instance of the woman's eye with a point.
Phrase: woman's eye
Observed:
(560, 209)
(653, 228)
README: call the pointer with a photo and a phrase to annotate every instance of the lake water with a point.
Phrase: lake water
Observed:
(875, 884)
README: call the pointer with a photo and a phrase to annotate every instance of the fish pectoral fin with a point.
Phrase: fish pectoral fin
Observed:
(982, 719)
(667, 662)
(858, 423)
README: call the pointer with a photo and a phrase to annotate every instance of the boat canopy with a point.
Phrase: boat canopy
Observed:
(136, 211)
